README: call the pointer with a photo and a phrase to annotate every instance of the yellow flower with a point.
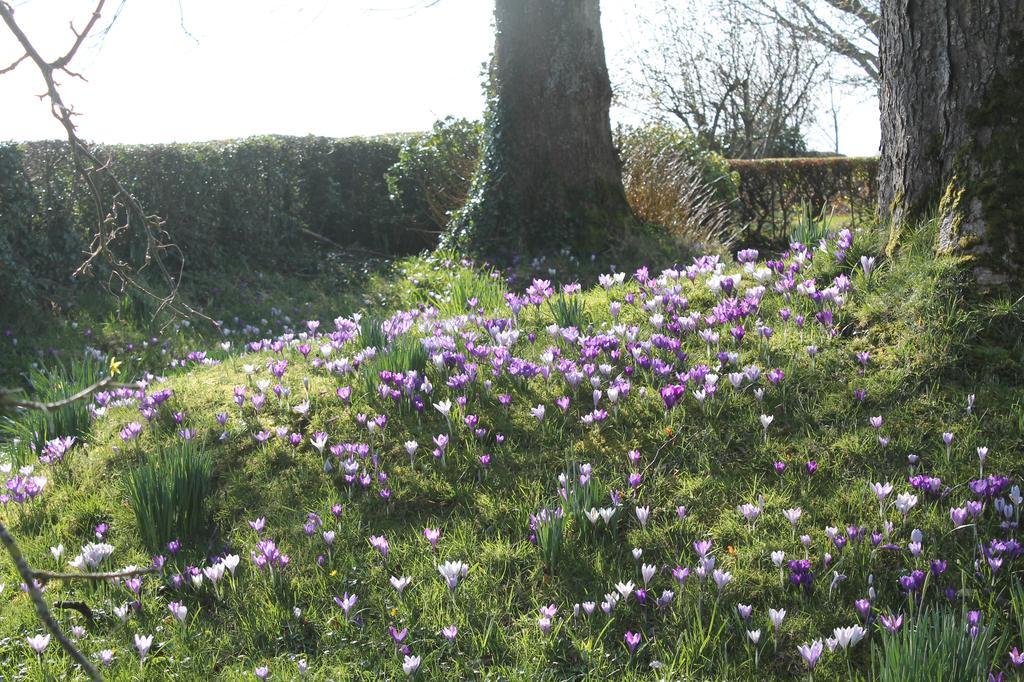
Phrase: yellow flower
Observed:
(115, 367)
(334, 573)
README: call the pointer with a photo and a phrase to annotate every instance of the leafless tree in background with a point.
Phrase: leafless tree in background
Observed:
(848, 29)
(743, 88)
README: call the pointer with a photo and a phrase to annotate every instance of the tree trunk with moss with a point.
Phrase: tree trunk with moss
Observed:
(951, 98)
(549, 175)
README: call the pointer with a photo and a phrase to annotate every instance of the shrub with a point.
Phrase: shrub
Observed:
(169, 495)
(671, 181)
(250, 202)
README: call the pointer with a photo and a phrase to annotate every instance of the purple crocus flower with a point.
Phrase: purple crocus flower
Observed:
(632, 641)
(892, 623)
(811, 652)
(432, 535)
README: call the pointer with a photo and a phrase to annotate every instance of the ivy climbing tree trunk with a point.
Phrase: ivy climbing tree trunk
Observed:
(951, 98)
(549, 174)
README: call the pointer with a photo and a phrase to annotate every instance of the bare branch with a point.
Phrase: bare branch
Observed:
(79, 37)
(46, 576)
(13, 65)
(94, 171)
(7, 398)
(741, 88)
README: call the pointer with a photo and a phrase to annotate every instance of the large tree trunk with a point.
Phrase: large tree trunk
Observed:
(951, 98)
(549, 175)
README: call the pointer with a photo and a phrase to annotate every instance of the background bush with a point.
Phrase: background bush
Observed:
(773, 193)
(237, 204)
(252, 204)
(434, 171)
(671, 181)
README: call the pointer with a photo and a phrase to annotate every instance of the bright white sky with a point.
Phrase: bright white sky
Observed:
(326, 67)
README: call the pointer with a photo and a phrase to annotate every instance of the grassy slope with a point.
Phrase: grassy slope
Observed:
(926, 356)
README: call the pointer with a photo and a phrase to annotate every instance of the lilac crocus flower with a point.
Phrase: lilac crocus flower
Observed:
(346, 602)
(380, 543)
(811, 652)
(452, 572)
(38, 643)
(432, 535)
(143, 644)
(131, 431)
(892, 623)
(632, 641)
(178, 610)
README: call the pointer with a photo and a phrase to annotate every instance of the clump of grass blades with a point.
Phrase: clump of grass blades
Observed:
(371, 332)
(811, 227)
(569, 312)
(405, 353)
(32, 428)
(169, 494)
(467, 285)
(937, 645)
(549, 531)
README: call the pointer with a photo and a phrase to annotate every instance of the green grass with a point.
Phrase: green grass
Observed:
(931, 345)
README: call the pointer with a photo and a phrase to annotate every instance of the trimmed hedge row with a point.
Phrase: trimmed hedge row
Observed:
(240, 202)
(252, 202)
(773, 193)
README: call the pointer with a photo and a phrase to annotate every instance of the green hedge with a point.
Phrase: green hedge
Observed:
(225, 204)
(774, 192)
(250, 203)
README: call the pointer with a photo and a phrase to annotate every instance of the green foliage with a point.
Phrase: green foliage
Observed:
(32, 428)
(773, 193)
(937, 646)
(371, 332)
(569, 312)
(245, 202)
(169, 495)
(811, 226)
(434, 171)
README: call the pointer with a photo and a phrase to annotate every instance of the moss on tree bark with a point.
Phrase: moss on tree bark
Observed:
(952, 92)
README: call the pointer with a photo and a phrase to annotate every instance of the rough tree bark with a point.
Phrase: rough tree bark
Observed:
(549, 175)
(951, 96)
